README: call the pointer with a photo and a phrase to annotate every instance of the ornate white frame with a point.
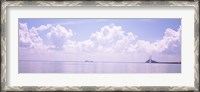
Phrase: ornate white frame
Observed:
(5, 4)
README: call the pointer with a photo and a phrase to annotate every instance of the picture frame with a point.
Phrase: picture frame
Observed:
(4, 44)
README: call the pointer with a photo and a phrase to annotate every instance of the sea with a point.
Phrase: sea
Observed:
(32, 66)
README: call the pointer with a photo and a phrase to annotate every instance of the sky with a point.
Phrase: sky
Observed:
(126, 39)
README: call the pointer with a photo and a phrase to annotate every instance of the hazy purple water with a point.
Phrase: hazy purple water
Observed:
(95, 67)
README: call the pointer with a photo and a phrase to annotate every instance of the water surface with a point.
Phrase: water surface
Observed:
(95, 67)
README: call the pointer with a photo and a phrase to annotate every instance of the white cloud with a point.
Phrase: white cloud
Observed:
(24, 36)
(81, 46)
(44, 27)
(24, 40)
(86, 45)
(109, 42)
(171, 38)
(29, 38)
(123, 44)
(108, 34)
(59, 32)
(112, 38)
(23, 26)
(59, 35)
(109, 39)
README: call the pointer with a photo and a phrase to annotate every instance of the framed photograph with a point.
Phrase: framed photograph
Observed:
(100, 46)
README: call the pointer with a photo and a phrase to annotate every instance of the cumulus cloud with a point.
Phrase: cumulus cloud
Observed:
(109, 38)
(170, 40)
(79, 46)
(112, 38)
(86, 45)
(108, 33)
(58, 35)
(29, 38)
(44, 27)
(24, 36)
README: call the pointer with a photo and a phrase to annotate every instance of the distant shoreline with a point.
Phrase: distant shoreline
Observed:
(101, 62)
(169, 62)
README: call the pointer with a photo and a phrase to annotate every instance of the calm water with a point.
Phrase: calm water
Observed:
(95, 67)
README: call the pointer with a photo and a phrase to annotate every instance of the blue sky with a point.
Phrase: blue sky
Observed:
(86, 35)
(142, 27)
